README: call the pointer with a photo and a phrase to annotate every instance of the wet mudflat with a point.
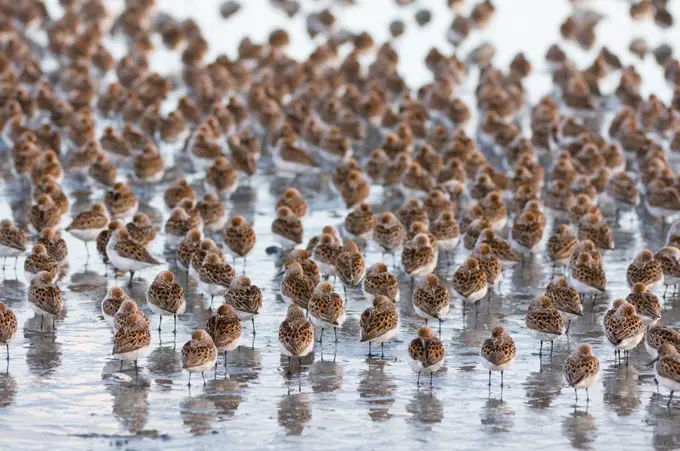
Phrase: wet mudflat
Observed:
(62, 387)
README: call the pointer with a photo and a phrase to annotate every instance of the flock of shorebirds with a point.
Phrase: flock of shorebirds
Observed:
(102, 123)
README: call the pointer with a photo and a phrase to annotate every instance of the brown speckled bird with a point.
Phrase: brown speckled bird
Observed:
(426, 353)
(498, 352)
(544, 321)
(646, 269)
(287, 228)
(199, 354)
(296, 334)
(667, 369)
(225, 330)
(239, 237)
(326, 309)
(581, 369)
(431, 300)
(469, 282)
(8, 326)
(566, 299)
(246, 299)
(379, 323)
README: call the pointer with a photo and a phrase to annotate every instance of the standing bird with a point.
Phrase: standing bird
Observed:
(469, 282)
(545, 322)
(245, 298)
(561, 245)
(379, 323)
(646, 269)
(294, 200)
(309, 266)
(431, 300)
(326, 309)
(624, 329)
(55, 245)
(111, 303)
(350, 266)
(126, 254)
(489, 263)
(240, 238)
(225, 330)
(646, 304)
(12, 241)
(141, 229)
(582, 369)
(588, 276)
(287, 228)
(45, 298)
(296, 334)
(380, 282)
(132, 340)
(187, 248)
(39, 261)
(657, 336)
(296, 288)
(389, 234)
(566, 299)
(88, 224)
(215, 276)
(361, 222)
(325, 254)
(199, 354)
(104, 237)
(166, 297)
(419, 257)
(426, 353)
(669, 258)
(498, 352)
(667, 369)
(8, 326)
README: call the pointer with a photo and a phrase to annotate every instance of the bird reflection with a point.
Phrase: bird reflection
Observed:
(542, 387)
(295, 368)
(426, 408)
(43, 355)
(580, 428)
(376, 390)
(89, 282)
(245, 363)
(131, 403)
(8, 389)
(326, 375)
(497, 416)
(293, 412)
(198, 413)
(164, 361)
(11, 288)
(225, 394)
(665, 422)
(621, 390)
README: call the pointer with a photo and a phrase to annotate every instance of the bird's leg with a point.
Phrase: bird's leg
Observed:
(587, 395)
(501, 378)
(42, 318)
(489, 378)
(418, 380)
(203, 376)
(212, 298)
(7, 345)
(136, 368)
(382, 350)
(540, 350)
(225, 363)
(664, 291)
(160, 320)
(121, 365)
(132, 274)
(252, 320)
(321, 337)
(189, 384)
(174, 331)
(568, 325)
(369, 349)
(575, 394)
(344, 288)
(431, 374)
(670, 399)
(551, 348)
(335, 329)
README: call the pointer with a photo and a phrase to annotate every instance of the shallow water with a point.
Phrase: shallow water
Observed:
(62, 388)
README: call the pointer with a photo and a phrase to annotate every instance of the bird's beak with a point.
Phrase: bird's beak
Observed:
(653, 361)
(280, 273)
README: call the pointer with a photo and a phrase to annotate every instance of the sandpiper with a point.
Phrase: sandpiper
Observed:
(246, 299)
(623, 328)
(489, 263)
(544, 321)
(380, 282)
(361, 222)
(379, 323)
(198, 256)
(527, 233)
(426, 353)
(296, 334)
(499, 247)
(295, 201)
(582, 369)
(54, 244)
(104, 237)
(350, 266)
(111, 304)
(309, 266)
(566, 299)
(588, 276)
(469, 282)
(446, 230)
(669, 259)
(37, 262)
(419, 257)
(166, 297)
(215, 276)
(657, 336)
(389, 233)
(221, 178)
(12, 241)
(667, 369)
(431, 300)
(646, 304)
(88, 224)
(179, 191)
(132, 340)
(225, 330)
(239, 237)
(561, 245)
(199, 354)
(126, 254)
(326, 309)
(8, 326)
(212, 212)
(177, 226)
(498, 352)
(121, 201)
(296, 288)
(45, 298)
(287, 228)
(646, 269)
(325, 254)
(44, 214)
(186, 249)
(141, 229)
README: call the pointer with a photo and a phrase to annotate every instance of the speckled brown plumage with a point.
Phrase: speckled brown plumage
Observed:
(469, 278)
(588, 272)
(418, 254)
(350, 265)
(562, 244)
(361, 221)
(224, 327)
(658, 335)
(166, 293)
(141, 229)
(39, 261)
(592, 228)
(379, 319)
(500, 349)
(120, 199)
(44, 214)
(645, 302)
(295, 286)
(380, 282)
(8, 325)
(216, 272)
(427, 348)
(499, 246)
(543, 317)
(188, 246)
(669, 259)
(622, 324)
(488, 262)
(198, 351)
(95, 218)
(288, 225)
(431, 297)
(244, 296)
(293, 199)
(580, 366)
(389, 233)
(11, 236)
(296, 334)
(239, 236)
(126, 247)
(54, 244)
(103, 239)
(45, 295)
(326, 305)
(565, 298)
(132, 335)
(644, 269)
